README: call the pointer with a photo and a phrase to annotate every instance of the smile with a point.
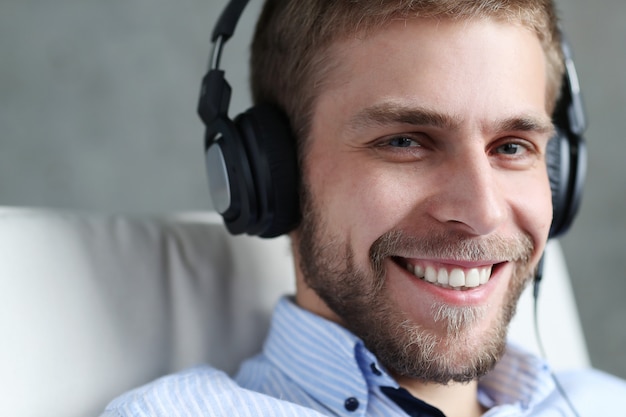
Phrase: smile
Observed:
(449, 277)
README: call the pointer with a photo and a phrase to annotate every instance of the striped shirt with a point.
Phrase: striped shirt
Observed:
(312, 367)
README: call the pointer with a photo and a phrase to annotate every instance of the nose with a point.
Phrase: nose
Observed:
(470, 197)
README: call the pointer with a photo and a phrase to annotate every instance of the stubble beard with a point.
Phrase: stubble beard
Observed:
(359, 297)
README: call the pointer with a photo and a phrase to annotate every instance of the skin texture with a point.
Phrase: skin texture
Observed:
(427, 147)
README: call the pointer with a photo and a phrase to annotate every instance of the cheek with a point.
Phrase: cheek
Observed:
(533, 208)
(357, 201)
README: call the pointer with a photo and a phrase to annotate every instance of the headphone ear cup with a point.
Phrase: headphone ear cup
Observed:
(271, 151)
(231, 184)
(558, 166)
(567, 152)
(566, 159)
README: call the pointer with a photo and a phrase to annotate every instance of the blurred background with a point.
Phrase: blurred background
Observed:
(97, 112)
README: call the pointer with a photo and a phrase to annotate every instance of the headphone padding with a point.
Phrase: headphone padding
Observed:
(557, 163)
(271, 151)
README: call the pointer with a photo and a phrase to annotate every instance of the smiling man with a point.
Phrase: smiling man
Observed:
(426, 202)
(422, 130)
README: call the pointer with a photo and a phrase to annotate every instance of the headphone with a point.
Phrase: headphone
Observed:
(252, 162)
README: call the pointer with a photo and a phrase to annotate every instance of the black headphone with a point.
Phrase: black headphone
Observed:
(252, 161)
(567, 151)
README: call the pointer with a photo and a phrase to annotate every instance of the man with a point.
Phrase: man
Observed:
(422, 129)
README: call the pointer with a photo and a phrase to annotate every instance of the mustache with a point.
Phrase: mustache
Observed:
(450, 245)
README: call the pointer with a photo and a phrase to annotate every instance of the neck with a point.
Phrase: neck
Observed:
(454, 399)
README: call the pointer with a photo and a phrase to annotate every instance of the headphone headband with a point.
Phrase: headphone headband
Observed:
(225, 26)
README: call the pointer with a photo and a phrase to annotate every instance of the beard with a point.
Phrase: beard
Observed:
(359, 296)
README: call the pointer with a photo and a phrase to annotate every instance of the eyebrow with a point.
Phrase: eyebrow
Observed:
(393, 113)
(526, 124)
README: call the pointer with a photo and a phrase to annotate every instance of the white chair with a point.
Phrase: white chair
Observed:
(92, 304)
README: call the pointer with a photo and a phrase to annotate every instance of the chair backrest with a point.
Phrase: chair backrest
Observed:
(92, 305)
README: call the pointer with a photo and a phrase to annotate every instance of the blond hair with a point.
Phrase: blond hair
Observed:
(290, 57)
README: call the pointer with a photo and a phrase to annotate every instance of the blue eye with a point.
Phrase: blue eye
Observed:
(401, 147)
(402, 142)
(511, 149)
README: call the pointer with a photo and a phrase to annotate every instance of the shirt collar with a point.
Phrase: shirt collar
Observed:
(302, 344)
(519, 378)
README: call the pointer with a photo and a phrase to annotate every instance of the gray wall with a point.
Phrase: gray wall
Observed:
(97, 112)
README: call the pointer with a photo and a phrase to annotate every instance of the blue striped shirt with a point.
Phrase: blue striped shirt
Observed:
(312, 367)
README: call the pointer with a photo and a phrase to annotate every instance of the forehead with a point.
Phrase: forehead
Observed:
(450, 65)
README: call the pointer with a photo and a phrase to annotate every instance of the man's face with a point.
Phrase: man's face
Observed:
(427, 201)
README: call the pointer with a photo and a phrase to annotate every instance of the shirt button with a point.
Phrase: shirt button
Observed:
(375, 369)
(351, 404)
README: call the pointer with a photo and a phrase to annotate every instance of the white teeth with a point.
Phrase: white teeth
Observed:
(442, 277)
(430, 274)
(485, 274)
(472, 278)
(418, 270)
(456, 278)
